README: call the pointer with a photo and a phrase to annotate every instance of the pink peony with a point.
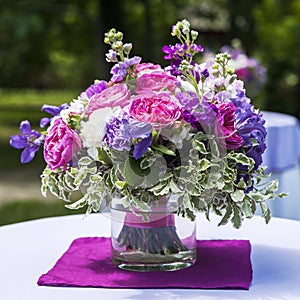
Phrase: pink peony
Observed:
(226, 120)
(155, 108)
(116, 95)
(156, 81)
(61, 142)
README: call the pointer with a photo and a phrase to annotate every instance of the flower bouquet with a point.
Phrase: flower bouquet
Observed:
(156, 143)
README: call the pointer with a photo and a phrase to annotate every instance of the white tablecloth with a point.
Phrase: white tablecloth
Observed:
(282, 159)
(30, 249)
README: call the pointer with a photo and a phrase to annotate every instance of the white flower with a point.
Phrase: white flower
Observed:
(93, 130)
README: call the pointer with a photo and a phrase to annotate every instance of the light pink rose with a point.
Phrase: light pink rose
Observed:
(116, 95)
(61, 143)
(226, 119)
(155, 108)
(156, 82)
(147, 68)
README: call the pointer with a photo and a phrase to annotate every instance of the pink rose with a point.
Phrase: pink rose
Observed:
(156, 81)
(155, 108)
(226, 119)
(116, 95)
(61, 142)
(148, 68)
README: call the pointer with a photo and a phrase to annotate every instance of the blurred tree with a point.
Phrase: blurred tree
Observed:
(278, 39)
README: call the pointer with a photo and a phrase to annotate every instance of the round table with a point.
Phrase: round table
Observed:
(282, 159)
(30, 249)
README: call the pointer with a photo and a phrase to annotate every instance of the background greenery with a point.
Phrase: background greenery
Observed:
(50, 50)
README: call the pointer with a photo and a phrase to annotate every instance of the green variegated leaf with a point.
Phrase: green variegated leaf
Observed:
(200, 147)
(266, 213)
(163, 149)
(236, 219)
(204, 164)
(85, 161)
(227, 215)
(246, 208)
(103, 156)
(237, 196)
(132, 172)
(78, 204)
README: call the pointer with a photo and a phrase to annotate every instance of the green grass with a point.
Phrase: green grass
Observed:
(13, 212)
(18, 105)
(15, 106)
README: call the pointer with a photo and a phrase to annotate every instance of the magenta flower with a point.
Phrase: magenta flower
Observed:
(155, 108)
(226, 119)
(116, 95)
(29, 140)
(61, 143)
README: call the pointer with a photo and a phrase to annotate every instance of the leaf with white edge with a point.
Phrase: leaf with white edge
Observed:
(282, 195)
(120, 184)
(204, 164)
(266, 213)
(236, 219)
(85, 161)
(200, 147)
(246, 208)
(237, 196)
(78, 204)
(226, 216)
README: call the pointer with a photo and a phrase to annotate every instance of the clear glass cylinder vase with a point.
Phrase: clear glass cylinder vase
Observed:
(155, 240)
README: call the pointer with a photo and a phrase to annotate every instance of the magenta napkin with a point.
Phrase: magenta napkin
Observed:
(87, 263)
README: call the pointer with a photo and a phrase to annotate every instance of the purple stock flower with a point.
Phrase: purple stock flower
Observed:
(201, 116)
(52, 110)
(30, 140)
(119, 70)
(96, 88)
(250, 126)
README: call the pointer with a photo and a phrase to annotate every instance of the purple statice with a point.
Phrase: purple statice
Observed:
(201, 116)
(52, 110)
(30, 140)
(96, 88)
(119, 71)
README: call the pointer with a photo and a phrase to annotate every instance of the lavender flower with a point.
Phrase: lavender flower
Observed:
(96, 88)
(119, 71)
(30, 140)
(52, 110)
(114, 135)
(250, 126)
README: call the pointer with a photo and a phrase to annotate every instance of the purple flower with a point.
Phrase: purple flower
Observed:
(119, 71)
(141, 131)
(250, 126)
(52, 110)
(96, 88)
(115, 136)
(29, 140)
(202, 116)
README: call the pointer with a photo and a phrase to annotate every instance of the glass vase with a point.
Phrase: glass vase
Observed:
(155, 240)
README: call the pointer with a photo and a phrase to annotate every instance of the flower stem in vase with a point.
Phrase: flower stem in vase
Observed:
(157, 236)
